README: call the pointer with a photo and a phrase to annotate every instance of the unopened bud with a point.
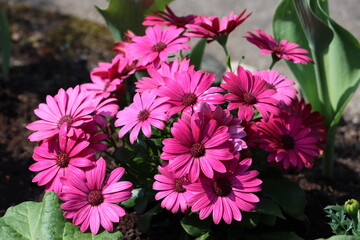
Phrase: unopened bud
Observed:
(351, 207)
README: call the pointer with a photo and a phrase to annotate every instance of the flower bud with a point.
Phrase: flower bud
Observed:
(351, 207)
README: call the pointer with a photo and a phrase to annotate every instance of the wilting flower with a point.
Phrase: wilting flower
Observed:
(188, 89)
(92, 201)
(290, 144)
(226, 194)
(284, 49)
(213, 28)
(71, 106)
(198, 146)
(159, 76)
(248, 91)
(171, 189)
(285, 91)
(146, 110)
(156, 44)
(163, 18)
(63, 157)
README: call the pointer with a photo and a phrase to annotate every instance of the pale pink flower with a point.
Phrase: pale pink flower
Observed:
(156, 44)
(147, 110)
(285, 91)
(159, 76)
(284, 49)
(226, 194)
(92, 201)
(213, 28)
(188, 89)
(62, 157)
(248, 92)
(171, 190)
(198, 146)
(71, 106)
(163, 18)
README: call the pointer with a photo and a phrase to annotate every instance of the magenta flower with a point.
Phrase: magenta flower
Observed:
(159, 76)
(71, 106)
(248, 92)
(226, 194)
(147, 110)
(63, 157)
(163, 18)
(284, 49)
(285, 91)
(198, 146)
(171, 189)
(120, 47)
(92, 201)
(289, 143)
(213, 28)
(156, 44)
(188, 89)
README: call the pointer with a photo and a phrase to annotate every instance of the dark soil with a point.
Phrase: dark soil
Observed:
(52, 51)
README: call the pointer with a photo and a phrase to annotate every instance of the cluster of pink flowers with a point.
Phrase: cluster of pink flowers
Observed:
(205, 166)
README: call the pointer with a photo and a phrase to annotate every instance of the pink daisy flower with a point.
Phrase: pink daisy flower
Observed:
(61, 157)
(159, 76)
(167, 18)
(198, 146)
(213, 28)
(71, 106)
(147, 110)
(171, 189)
(289, 143)
(92, 201)
(188, 89)
(285, 91)
(120, 47)
(156, 44)
(226, 194)
(284, 49)
(94, 136)
(248, 92)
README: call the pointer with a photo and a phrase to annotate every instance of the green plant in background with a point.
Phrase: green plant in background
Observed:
(124, 15)
(5, 43)
(330, 83)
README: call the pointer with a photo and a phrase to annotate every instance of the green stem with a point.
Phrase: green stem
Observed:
(228, 58)
(329, 153)
(275, 59)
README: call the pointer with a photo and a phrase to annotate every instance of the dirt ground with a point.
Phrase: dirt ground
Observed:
(50, 51)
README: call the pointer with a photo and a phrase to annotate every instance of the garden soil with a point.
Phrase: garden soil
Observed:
(52, 51)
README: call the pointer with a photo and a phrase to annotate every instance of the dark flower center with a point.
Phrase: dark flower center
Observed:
(178, 185)
(249, 98)
(197, 150)
(222, 187)
(143, 115)
(278, 49)
(95, 197)
(270, 86)
(128, 68)
(287, 142)
(159, 47)
(62, 159)
(68, 119)
(189, 99)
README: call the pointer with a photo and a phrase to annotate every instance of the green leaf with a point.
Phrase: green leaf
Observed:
(293, 202)
(197, 53)
(145, 220)
(123, 15)
(340, 237)
(5, 43)
(269, 207)
(44, 220)
(194, 226)
(132, 201)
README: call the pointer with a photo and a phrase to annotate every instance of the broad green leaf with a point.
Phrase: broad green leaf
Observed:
(44, 220)
(132, 201)
(267, 206)
(123, 15)
(293, 202)
(197, 53)
(340, 237)
(145, 220)
(194, 226)
(5, 43)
